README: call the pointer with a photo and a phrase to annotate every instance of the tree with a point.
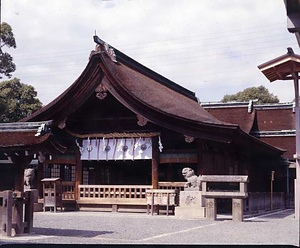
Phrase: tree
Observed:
(7, 39)
(17, 100)
(260, 93)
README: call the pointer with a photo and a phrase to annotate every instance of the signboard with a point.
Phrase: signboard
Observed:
(116, 149)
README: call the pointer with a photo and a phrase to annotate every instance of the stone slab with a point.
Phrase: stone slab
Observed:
(190, 213)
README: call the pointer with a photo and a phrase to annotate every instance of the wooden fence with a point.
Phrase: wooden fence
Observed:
(261, 201)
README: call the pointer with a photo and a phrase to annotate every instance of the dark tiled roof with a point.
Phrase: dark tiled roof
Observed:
(235, 115)
(148, 94)
(21, 139)
(154, 94)
(28, 135)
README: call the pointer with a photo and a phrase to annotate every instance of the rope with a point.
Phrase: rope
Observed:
(113, 135)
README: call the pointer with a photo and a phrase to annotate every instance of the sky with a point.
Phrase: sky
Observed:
(211, 47)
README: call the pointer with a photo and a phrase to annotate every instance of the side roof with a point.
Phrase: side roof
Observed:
(28, 136)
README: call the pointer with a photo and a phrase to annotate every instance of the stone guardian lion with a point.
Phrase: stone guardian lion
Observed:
(193, 181)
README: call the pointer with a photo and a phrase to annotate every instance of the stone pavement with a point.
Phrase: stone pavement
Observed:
(127, 228)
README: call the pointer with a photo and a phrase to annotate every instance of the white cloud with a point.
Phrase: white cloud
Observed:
(210, 47)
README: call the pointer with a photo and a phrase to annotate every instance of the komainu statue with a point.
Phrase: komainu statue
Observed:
(193, 181)
(28, 177)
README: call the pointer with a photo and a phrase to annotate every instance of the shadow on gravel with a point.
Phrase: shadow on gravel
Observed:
(255, 221)
(279, 215)
(68, 232)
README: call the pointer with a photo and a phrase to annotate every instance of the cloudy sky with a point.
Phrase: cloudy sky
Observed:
(211, 47)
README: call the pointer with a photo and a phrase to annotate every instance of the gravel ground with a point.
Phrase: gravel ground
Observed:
(127, 228)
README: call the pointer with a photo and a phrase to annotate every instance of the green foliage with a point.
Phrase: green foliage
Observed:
(7, 39)
(17, 100)
(260, 93)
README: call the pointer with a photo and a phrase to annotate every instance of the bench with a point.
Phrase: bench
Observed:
(237, 195)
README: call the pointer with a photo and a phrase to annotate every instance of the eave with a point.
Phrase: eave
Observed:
(281, 67)
(28, 136)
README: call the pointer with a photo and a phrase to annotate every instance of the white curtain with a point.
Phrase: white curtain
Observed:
(116, 149)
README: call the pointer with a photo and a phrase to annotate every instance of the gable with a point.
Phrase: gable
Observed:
(104, 115)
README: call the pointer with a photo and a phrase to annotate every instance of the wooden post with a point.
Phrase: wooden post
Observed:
(18, 177)
(17, 215)
(78, 175)
(272, 182)
(5, 229)
(40, 176)
(199, 158)
(155, 161)
(29, 195)
(20, 162)
(169, 176)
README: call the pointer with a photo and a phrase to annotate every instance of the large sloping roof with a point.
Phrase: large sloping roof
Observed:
(140, 89)
(144, 92)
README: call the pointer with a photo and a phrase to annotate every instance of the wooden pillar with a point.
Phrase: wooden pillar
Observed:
(78, 174)
(155, 162)
(18, 176)
(6, 223)
(199, 158)
(17, 214)
(28, 212)
(40, 176)
(169, 173)
(20, 162)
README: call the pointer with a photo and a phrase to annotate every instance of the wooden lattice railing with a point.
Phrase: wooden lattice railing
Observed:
(113, 194)
(68, 191)
(178, 186)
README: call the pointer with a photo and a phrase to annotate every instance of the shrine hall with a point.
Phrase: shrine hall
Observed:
(121, 127)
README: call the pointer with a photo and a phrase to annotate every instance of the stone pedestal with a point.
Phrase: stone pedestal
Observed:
(191, 205)
(211, 208)
(237, 209)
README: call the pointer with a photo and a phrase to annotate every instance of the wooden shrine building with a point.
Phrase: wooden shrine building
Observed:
(122, 124)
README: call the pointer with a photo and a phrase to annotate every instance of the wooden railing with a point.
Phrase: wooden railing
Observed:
(177, 186)
(113, 194)
(68, 191)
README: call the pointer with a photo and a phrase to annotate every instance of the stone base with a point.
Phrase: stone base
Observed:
(190, 213)
(191, 205)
